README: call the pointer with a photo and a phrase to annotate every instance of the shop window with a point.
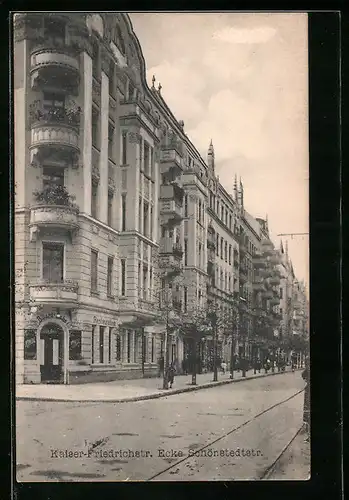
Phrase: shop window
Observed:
(29, 344)
(75, 344)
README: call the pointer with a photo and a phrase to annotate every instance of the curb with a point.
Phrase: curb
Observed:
(154, 395)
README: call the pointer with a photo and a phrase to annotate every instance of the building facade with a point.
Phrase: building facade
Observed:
(118, 219)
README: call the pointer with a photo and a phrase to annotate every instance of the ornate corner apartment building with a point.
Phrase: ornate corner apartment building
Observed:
(111, 198)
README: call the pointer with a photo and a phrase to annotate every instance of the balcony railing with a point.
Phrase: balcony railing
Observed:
(177, 305)
(64, 293)
(177, 250)
(55, 115)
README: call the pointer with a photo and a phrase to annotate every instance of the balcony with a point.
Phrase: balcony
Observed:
(259, 262)
(172, 191)
(243, 272)
(274, 280)
(177, 305)
(275, 259)
(54, 135)
(258, 285)
(242, 245)
(55, 64)
(210, 269)
(170, 159)
(54, 209)
(267, 248)
(268, 294)
(63, 294)
(177, 251)
(275, 301)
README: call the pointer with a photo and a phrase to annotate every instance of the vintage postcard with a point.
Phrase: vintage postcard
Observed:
(161, 246)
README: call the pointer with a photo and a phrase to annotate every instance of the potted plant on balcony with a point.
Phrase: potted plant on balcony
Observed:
(54, 195)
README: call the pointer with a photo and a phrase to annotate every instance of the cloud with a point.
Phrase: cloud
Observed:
(243, 35)
(181, 88)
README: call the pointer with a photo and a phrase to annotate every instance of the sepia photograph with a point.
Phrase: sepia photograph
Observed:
(161, 235)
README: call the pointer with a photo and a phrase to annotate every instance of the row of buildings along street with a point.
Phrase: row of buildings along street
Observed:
(129, 252)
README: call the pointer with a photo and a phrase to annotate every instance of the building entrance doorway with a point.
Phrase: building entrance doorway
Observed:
(52, 354)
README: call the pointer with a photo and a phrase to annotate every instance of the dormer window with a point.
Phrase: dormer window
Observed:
(54, 30)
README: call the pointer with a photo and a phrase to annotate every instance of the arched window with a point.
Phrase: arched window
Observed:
(119, 39)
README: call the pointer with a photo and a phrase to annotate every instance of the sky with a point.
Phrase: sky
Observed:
(241, 79)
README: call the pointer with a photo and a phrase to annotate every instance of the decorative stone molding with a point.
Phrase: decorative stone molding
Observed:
(95, 174)
(94, 229)
(133, 137)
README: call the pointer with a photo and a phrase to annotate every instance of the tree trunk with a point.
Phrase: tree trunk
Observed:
(232, 353)
(194, 360)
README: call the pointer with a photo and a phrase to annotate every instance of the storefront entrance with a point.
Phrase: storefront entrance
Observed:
(51, 354)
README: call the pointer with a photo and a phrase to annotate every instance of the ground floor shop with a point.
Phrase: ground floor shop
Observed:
(78, 346)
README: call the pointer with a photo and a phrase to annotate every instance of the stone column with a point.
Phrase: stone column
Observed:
(103, 157)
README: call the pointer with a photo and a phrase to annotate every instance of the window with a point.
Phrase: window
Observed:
(93, 343)
(186, 205)
(280, 310)
(101, 344)
(152, 349)
(230, 222)
(151, 223)
(222, 248)
(185, 252)
(131, 91)
(110, 209)
(146, 158)
(226, 252)
(129, 339)
(229, 254)
(123, 277)
(222, 214)
(111, 78)
(199, 211)
(94, 131)
(75, 344)
(185, 299)
(123, 212)
(94, 270)
(152, 163)
(94, 197)
(53, 100)
(53, 262)
(124, 148)
(229, 283)
(52, 176)
(281, 293)
(217, 245)
(29, 344)
(110, 276)
(95, 58)
(145, 281)
(139, 279)
(199, 255)
(145, 218)
(110, 140)
(109, 345)
(118, 348)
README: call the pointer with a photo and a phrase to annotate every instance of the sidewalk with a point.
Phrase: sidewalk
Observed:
(120, 391)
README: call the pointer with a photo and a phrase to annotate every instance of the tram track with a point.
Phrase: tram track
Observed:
(268, 470)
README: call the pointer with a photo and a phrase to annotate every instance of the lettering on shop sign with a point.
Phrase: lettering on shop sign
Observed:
(104, 321)
(52, 315)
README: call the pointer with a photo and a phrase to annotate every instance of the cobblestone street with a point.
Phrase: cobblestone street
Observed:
(234, 431)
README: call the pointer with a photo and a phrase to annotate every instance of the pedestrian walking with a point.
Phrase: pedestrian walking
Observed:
(171, 374)
(306, 405)
(223, 367)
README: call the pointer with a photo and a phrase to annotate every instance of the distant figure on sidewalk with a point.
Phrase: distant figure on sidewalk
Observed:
(171, 374)
(306, 406)
(161, 366)
(223, 367)
(257, 365)
(267, 365)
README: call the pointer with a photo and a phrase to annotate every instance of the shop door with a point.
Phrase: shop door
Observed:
(51, 354)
